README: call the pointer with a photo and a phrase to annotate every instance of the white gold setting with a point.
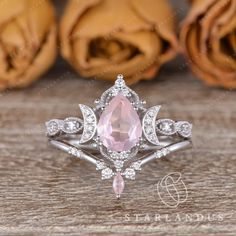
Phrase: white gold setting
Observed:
(119, 136)
(149, 125)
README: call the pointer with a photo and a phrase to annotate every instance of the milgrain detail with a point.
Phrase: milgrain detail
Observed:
(149, 125)
(90, 123)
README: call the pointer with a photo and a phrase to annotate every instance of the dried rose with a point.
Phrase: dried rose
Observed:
(27, 41)
(208, 37)
(102, 38)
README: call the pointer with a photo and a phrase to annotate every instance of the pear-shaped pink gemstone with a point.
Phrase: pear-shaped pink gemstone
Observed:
(119, 127)
(118, 184)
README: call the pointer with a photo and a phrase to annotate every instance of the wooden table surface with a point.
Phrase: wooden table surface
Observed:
(45, 192)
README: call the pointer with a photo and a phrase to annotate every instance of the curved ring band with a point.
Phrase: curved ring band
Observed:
(76, 151)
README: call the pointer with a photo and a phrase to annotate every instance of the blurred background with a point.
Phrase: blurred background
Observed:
(102, 39)
(178, 64)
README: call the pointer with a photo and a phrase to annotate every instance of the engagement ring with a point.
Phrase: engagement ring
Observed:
(119, 136)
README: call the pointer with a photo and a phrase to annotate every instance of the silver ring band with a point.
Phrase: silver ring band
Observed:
(119, 135)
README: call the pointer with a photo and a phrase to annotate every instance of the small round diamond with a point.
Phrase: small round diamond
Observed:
(136, 165)
(120, 76)
(71, 125)
(120, 81)
(129, 173)
(52, 127)
(90, 119)
(151, 113)
(100, 165)
(107, 173)
(118, 164)
(148, 129)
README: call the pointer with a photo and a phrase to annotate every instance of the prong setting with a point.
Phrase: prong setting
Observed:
(157, 137)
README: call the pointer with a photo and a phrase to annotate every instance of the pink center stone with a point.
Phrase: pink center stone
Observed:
(119, 127)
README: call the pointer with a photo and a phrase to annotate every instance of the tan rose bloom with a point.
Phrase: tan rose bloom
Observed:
(208, 37)
(27, 41)
(102, 38)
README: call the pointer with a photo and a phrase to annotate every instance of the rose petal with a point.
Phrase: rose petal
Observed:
(107, 37)
(204, 37)
(118, 15)
(10, 9)
(72, 14)
(41, 63)
(147, 42)
(164, 26)
(38, 27)
(21, 59)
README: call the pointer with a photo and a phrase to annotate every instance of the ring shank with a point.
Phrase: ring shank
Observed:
(74, 148)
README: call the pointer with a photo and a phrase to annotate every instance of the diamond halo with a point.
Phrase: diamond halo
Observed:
(123, 134)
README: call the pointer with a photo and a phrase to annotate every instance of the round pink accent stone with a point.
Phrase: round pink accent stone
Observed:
(119, 126)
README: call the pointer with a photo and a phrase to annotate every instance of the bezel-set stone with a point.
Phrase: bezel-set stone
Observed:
(72, 125)
(184, 128)
(166, 126)
(53, 127)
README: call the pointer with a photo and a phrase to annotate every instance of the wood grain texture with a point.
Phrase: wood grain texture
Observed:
(43, 191)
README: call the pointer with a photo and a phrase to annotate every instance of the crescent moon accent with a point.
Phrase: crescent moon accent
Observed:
(90, 123)
(149, 125)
